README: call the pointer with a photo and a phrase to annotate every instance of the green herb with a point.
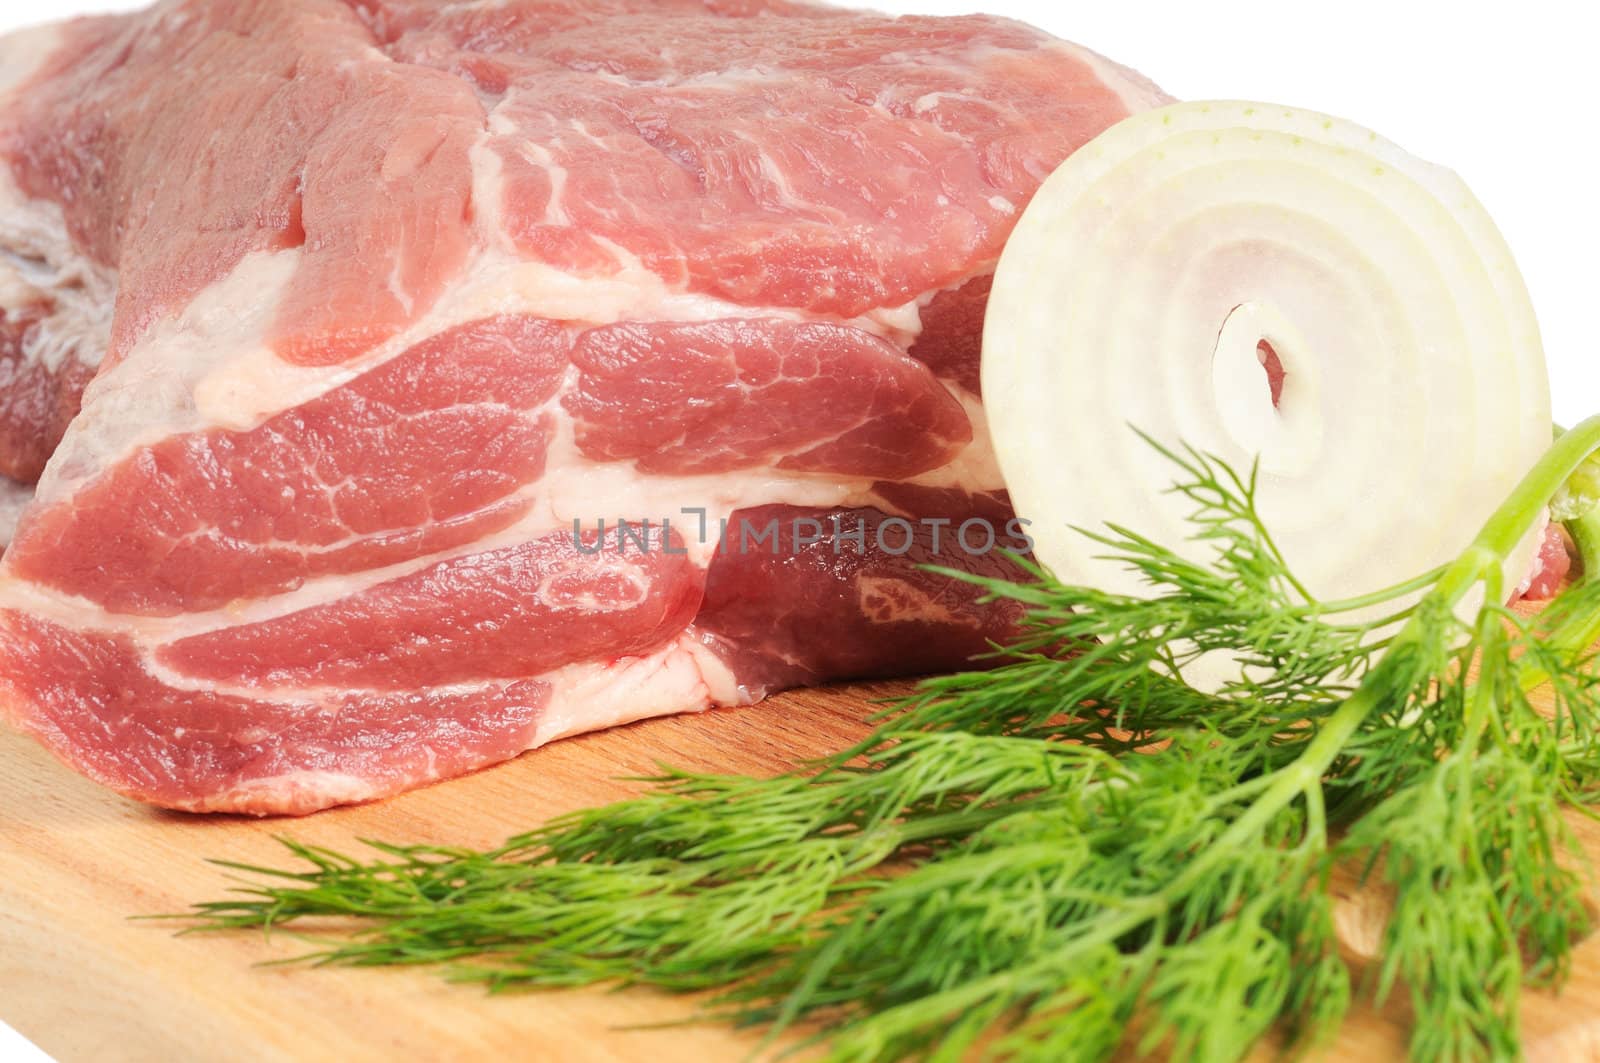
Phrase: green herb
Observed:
(1079, 854)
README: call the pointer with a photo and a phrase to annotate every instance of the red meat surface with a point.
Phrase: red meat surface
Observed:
(400, 382)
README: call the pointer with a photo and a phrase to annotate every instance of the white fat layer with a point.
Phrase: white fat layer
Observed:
(930, 100)
(1137, 92)
(24, 53)
(555, 212)
(14, 498)
(781, 186)
(211, 366)
(295, 791)
(39, 266)
(488, 183)
(577, 491)
(157, 389)
(975, 468)
(682, 676)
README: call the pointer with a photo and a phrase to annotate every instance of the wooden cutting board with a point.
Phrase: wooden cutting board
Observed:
(86, 983)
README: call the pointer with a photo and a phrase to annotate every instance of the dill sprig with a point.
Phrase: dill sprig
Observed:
(1081, 852)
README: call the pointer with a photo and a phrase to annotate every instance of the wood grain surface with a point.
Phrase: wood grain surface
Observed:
(87, 983)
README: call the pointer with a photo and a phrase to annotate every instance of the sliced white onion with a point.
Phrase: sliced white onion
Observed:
(1139, 286)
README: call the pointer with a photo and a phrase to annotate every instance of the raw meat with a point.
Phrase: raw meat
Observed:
(377, 309)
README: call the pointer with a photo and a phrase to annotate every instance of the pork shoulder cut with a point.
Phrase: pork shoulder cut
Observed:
(336, 337)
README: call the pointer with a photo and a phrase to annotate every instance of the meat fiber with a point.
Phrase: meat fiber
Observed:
(339, 336)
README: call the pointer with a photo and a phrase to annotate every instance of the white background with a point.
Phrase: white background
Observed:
(1503, 97)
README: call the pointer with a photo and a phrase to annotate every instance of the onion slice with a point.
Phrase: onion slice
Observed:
(1169, 269)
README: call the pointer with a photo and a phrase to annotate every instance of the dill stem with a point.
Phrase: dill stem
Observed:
(1380, 596)
(1516, 515)
(1479, 563)
(967, 820)
(1302, 776)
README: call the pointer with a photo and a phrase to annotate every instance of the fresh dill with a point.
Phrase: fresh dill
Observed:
(1080, 854)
